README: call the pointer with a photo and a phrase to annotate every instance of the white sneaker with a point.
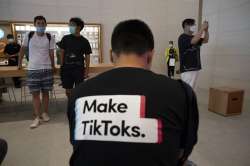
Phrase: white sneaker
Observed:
(45, 117)
(35, 123)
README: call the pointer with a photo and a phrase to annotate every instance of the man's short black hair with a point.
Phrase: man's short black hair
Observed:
(132, 36)
(39, 18)
(78, 21)
(10, 36)
(188, 21)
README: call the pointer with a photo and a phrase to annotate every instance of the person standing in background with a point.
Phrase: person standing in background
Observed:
(171, 58)
(189, 47)
(40, 67)
(11, 51)
(75, 56)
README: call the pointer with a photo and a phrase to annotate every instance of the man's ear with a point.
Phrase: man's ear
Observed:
(150, 55)
(78, 29)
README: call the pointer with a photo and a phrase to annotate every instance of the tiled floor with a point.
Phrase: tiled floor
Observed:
(222, 141)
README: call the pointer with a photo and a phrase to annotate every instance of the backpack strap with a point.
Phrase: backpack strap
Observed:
(48, 36)
(30, 35)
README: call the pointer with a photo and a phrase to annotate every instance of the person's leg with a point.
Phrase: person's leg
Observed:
(195, 77)
(36, 103)
(67, 80)
(37, 108)
(79, 76)
(169, 71)
(172, 71)
(34, 84)
(3, 150)
(46, 86)
(45, 99)
(190, 78)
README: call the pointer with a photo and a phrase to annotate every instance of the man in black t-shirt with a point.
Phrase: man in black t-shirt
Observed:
(11, 50)
(189, 47)
(75, 56)
(130, 116)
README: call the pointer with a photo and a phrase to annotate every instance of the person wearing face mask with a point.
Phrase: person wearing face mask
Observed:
(171, 54)
(11, 51)
(190, 43)
(41, 65)
(75, 56)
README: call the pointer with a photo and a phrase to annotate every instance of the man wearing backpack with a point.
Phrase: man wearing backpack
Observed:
(40, 68)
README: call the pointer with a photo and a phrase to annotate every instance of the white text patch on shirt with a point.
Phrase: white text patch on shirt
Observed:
(119, 118)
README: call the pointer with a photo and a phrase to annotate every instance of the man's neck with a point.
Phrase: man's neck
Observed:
(188, 33)
(40, 34)
(77, 34)
(131, 61)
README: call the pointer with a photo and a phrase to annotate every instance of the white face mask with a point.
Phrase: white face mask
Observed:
(193, 28)
(171, 45)
(11, 40)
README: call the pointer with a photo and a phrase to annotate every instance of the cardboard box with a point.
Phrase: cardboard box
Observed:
(226, 101)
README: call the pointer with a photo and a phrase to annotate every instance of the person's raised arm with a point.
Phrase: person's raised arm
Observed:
(196, 39)
(206, 37)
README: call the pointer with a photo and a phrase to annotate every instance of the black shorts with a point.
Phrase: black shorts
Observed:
(71, 76)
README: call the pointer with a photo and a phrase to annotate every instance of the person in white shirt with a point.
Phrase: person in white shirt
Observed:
(41, 65)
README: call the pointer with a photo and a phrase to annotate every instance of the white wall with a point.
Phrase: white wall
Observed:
(226, 59)
(164, 16)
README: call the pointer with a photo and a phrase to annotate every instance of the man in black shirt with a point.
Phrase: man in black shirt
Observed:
(189, 47)
(11, 50)
(75, 56)
(130, 116)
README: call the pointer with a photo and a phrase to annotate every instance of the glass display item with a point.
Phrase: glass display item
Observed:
(91, 31)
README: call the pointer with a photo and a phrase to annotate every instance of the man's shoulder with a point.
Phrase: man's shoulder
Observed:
(183, 35)
(67, 36)
(84, 39)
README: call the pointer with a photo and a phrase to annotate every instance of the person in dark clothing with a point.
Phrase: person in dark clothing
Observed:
(75, 56)
(189, 46)
(11, 50)
(130, 116)
(3, 150)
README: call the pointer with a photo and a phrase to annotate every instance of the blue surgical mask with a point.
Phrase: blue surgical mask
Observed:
(72, 29)
(40, 29)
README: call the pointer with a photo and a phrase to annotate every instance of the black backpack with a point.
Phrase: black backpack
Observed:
(30, 35)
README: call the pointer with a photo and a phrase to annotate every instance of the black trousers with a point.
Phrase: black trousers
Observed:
(3, 150)
(171, 70)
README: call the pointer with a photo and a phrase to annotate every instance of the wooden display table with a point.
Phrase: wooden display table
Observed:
(12, 71)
